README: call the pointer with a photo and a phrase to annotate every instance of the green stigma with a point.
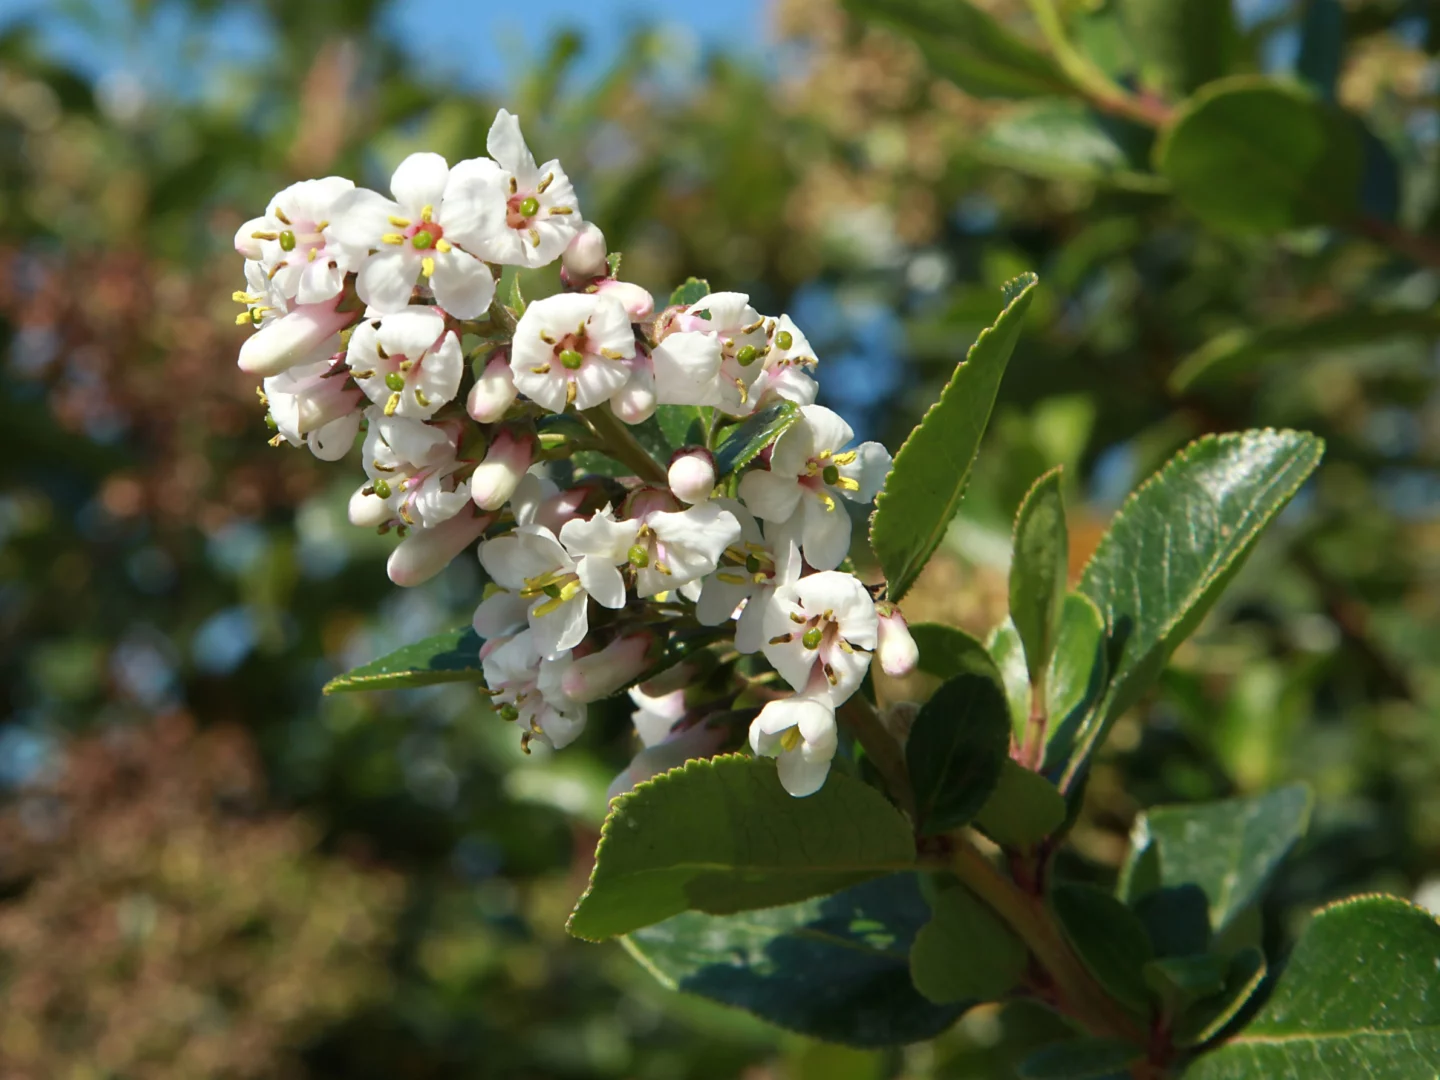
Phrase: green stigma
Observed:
(746, 356)
(571, 359)
(784, 340)
(509, 712)
(395, 381)
(811, 640)
(270, 422)
(382, 489)
(753, 564)
(530, 207)
(831, 474)
(287, 241)
(638, 557)
(422, 240)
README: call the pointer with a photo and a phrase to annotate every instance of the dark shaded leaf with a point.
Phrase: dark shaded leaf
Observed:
(1037, 572)
(693, 290)
(1108, 938)
(956, 749)
(965, 952)
(1023, 809)
(946, 651)
(742, 443)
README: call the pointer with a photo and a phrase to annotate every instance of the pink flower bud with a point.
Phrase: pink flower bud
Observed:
(896, 649)
(293, 339)
(368, 511)
(493, 392)
(637, 302)
(692, 475)
(425, 552)
(585, 257)
(603, 673)
(696, 742)
(555, 511)
(634, 403)
(495, 478)
(246, 243)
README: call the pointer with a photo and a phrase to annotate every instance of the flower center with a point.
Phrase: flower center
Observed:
(520, 210)
(558, 585)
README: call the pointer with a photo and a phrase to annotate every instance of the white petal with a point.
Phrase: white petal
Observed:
(527, 552)
(687, 366)
(473, 207)
(410, 333)
(828, 429)
(334, 440)
(419, 181)
(598, 379)
(507, 146)
(770, 495)
(803, 770)
(794, 449)
(602, 580)
(361, 217)
(388, 277)
(319, 281)
(440, 373)
(694, 539)
(718, 600)
(601, 535)
(499, 614)
(870, 468)
(826, 535)
(561, 628)
(750, 626)
(463, 285)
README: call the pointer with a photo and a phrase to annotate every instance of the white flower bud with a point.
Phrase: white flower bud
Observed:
(493, 392)
(896, 649)
(496, 478)
(246, 242)
(368, 511)
(425, 552)
(585, 257)
(602, 673)
(692, 475)
(304, 334)
(637, 302)
(634, 403)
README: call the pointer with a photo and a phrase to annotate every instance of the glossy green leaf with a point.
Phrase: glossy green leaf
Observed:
(721, 835)
(1182, 44)
(965, 952)
(1023, 809)
(968, 46)
(1254, 154)
(1081, 1059)
(1230, 848)
(1008, 654)
(450, 657)
(1064, 140)
(1174, 546)
(683, 425)
(833, 967)
(742, 443)
(694, 289)
(956, 749)
(1243, 350)
(1108, 938)
(1177, 918)
(1357, 1001)
(946, 651)
(931, 470)
(1037, 571)
(1210, 1016)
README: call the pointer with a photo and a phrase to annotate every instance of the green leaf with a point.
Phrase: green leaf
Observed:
(1206, 1019)
(956, 749)
(1108, 938)
(742, 443)
(946, 652)
(1081, 1059)
(1064, 140)
(833, 967)
(1174, 546)
(1244, 349)
(516, 300)
(1230, 848)
(450, 657)
(1023, 809)
(931, 470)
(721, 835)
(1037, 572)
(968, 46)
(1179, 980)
(965, 952)
(1183, 43)
(1357, 1001)
(694, 289)
(1253, 154)
(1009, 656)
(683, 425)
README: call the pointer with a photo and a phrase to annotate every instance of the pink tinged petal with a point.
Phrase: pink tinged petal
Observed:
(507, 146)
(530, 495)
(334, 440)
(562, 627)
(896, 649)
(691, 476)
(495, 479)
(425, 552)
(500, 614)
(360, 217)
(845, 596)
(637, 302)
(687, 365)
(828, 430)
(463, 285)
(635, 402)
(825, 538)
(493, 393)
(387, 279)
(728, 310)
(474, 204)
(604, 673)
(368, 511)
(655, 715)
(869, 470)
(770, 496)
(245, 242)
(292, 339)
(419, 181)
(584, 257)
(603, 581)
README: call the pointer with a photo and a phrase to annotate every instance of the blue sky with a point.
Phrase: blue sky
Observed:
(477, 41)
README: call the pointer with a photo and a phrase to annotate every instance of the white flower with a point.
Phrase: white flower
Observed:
(494, 390)
(788, 357)
(750, 570)
(495, 479)
(286, 335)
(412, 467)
(635, 402)
(407, 362)
(366, 509)
(532, 563)
(514, 212)
(800, 733)
(315, 405)
(897, 652)
(692, 475)
(294, 243)
(425, 552)
(808, 469)
(637, 302)
(822, 625)
(523, 689)
(397, 241)
(671, 549)
(713, 355)
(573, 348)
(655, 715)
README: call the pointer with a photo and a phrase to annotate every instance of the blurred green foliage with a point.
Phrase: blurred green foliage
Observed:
(162, 568)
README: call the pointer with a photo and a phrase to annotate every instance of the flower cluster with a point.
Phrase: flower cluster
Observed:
(504, 421)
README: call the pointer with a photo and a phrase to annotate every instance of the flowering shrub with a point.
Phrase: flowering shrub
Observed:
(661, 508)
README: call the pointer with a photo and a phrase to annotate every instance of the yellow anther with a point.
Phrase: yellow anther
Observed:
(562, 210)
(392, 238)
(845, 483)
(611, 354)
(781, 639)
(542, 369)
(427, 212)
(400, 222)
(421, 399)
(828, 501)
(243, 318)
(244, 297)
(443, 246)
(847, 458)
(535, 238)
(392, 404)
(731, 579)
(791, 739)
(546, 337)
(570, 394)
(662, 568)
(276, 440)
(281, 215)
(311, 256)
(744, 391)
(540, 189)
(427, 266)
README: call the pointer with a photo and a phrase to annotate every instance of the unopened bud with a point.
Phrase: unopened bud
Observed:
(896, 649)
(425, 552)
(496, 478)
(605, 672)
(585, 257)
(692, 475)
(246, 242)
(367, 510)
(634, 403)
(493, 392)
(293, 339)
(637, 302)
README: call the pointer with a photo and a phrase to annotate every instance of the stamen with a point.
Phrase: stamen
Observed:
(561, 210)
(392, 238)
(443, 246)
(421, 399)
(540, 188)
(542, 369)
(570, 393)
(781, 639)
(791, 739)
(535, 238)
(427, 266)
(400, 222)
(731, 579)
(427, 212)
(392, 404)
(265, 236)
(546, 337)
(281, 215)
